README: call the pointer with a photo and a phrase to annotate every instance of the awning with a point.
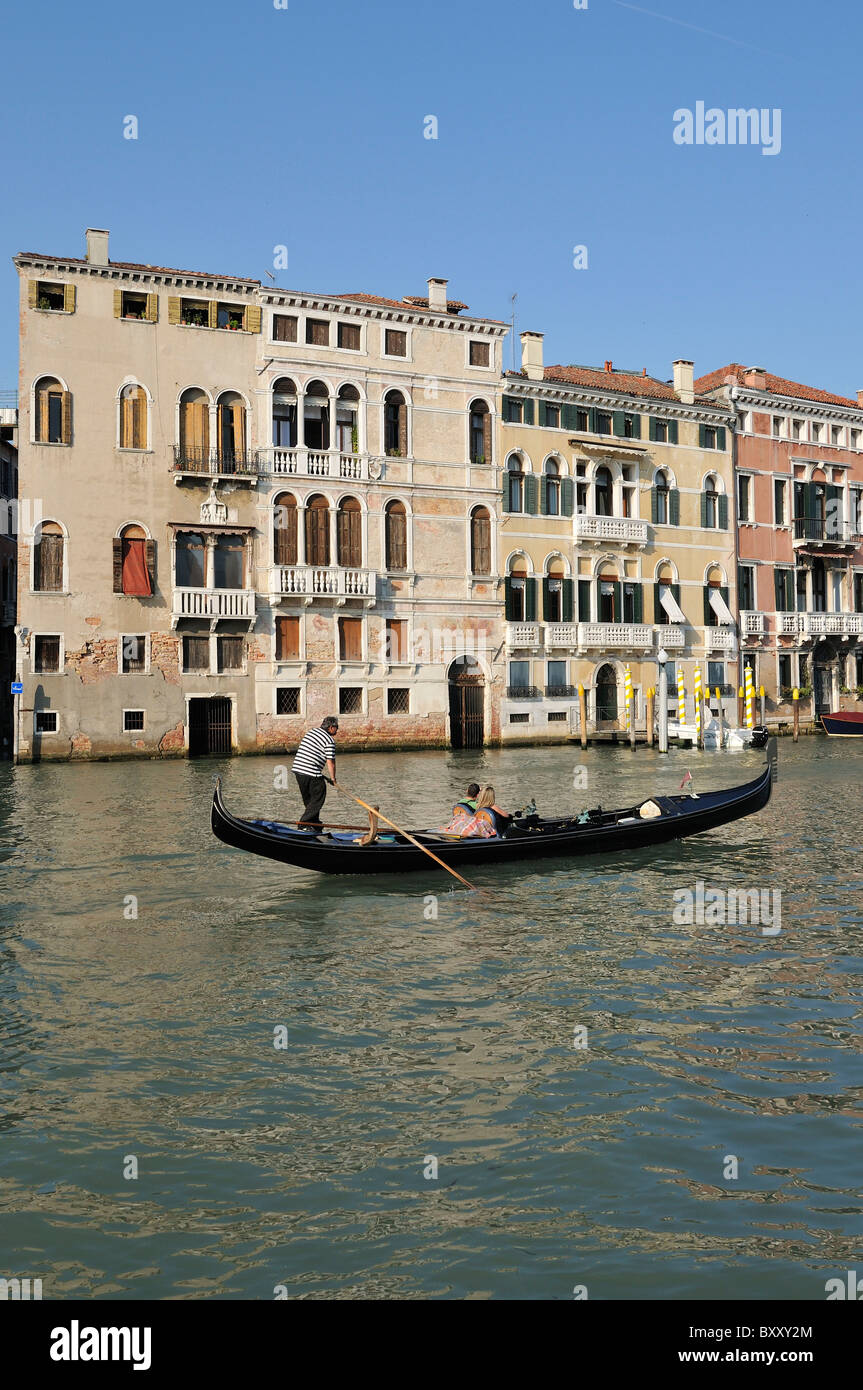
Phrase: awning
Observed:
(720, 607)
(670, 604)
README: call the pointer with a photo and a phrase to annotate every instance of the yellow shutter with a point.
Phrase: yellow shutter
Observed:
(33, 294)
(238, 410)
(125, 420)
(139, 419)
(42, 414)
(152, 308)
(118, 304)
(67, 417)
(174, 306)
(252, 322)
(69, 299)
(213, 311)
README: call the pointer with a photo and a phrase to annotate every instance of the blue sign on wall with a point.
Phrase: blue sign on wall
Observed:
(17, 687)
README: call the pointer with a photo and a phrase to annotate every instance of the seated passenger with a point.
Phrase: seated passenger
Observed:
(489, 819)
(463, 810)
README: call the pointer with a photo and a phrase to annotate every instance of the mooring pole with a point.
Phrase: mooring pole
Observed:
(650, 702)
(582, 711)
(795, 696)
(662, 658)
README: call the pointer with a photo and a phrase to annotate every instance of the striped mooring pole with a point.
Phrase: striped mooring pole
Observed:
(627, 700)
(749, 694)
(681, 697)
(697, 692)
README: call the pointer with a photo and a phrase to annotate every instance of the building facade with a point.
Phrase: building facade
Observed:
(798, 454)
(616, 541)
(8, 563)
(255, 507)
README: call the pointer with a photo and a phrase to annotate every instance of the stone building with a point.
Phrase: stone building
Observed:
(616, 540)
(8, 562)
(798, 454)
(257, 506)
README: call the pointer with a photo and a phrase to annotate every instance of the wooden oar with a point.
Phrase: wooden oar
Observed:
(380, 815)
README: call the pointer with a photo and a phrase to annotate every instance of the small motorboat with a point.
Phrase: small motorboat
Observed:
(843, 724)
(651, 822)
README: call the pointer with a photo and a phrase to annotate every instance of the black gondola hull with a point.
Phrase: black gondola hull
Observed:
(620, 830)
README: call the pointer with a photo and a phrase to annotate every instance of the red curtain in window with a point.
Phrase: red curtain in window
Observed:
(136, 579)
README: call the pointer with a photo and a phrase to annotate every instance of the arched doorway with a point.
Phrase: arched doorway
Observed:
(823, 670)
(466, 703)
(606, 695)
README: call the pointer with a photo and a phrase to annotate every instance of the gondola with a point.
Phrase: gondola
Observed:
(843, 724)
(334, 852)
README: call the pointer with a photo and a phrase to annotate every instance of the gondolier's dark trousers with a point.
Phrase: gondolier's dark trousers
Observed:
(313, 790)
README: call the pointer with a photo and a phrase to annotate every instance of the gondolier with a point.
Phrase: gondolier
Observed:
(314, 764)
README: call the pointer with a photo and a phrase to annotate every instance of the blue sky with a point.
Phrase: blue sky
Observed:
(304, 127)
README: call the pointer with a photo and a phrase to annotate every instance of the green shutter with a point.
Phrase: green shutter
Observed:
(637, 604)
(723, 511)
(672, 432)
(584, 600)
(702, 436)
(704, 509)
(591, 420)
(709, 615)
(528, 412)
(675, 592)
(618, 422)
(658, 610)
(546, 599)
(542, 490)
(530, 600)
(569, 417)
(674, 507)
(779, 590)
(530, 493)
(567, 601)
(504, 501)
(618, 602)
(654, 506)
(507, 598)
(636, 426)
(566, 496)
(720, 437)
(504, 409)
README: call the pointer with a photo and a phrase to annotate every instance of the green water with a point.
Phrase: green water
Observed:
(410, 1038)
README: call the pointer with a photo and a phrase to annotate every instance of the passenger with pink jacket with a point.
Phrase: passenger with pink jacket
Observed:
(488, 819)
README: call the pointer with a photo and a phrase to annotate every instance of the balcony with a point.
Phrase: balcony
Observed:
(523, 692)
(787, 624)
(830, 624)
(752, 624)
(523, 635)
(561, 692)
(719, 639)
(622, 529)
(561, 635)
(306, 463)
(621, 636)
(213, 605)
(818, 531)
(670, 635)
(197, 460)
(308, 582)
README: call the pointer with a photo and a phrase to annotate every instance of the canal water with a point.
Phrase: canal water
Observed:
(418, 1045)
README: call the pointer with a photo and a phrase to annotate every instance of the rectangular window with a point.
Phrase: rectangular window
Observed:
(350, 699)
(318, 332)
(349, 336)
(628, 426)
(51, 296)
(780, 494)
(228, 566)
(519, 675)
(287, 699)
(284, 328)
(858, 592)
(552, 416)
(743, 498)
(230, 653)
(836, 435)
(46, 721)
(230, 316)
(396, 640)
(710, 437)
(557, 716)
(777, 426)
(746, 585)
(797, 430)
(582, 420)
(603, 422)
(287, 639)
(195, 313)
(855, 502)
(715, 673)
(196, 654)
(783, 580)
(398, 701)
(396, 343)
(133, 654)
(479, 354)
(519, 718)
(133, 720)
(134, 306)
(47, 654)
(513, 410)
(854, 439)
(817, 432)
(556, 675)
(785, 677)
(660, 431)
(350, 639)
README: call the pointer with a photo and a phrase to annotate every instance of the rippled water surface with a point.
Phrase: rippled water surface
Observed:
(410, 1037)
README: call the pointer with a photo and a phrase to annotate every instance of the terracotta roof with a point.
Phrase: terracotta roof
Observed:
(627, 383)
(136, 265)
(775, 385)
(413, 303)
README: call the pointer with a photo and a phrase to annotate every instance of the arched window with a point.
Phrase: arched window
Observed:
(48, 558)
(133, 418)
(316, 417)
(714, 585)
(516, 591)
(284, 413)
(231, 426)
(480, 541)
(347, 420)
(660, 506)
(480, 432)
(134, 562)
(285, 529)
(190, 566)
(665, 586)
(604, 492)
(194, 452)
(396, 537)
(609, 598)
(515, 483)
(710, 504)
(53, 412)
(395, 425)
(553, 590)
(317, 531)
(349, 534)
(551, 483)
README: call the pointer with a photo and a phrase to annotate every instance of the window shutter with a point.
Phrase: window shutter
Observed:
(567, 600)
(723, 512)
(674, 506)
(654, 506)
(174, 305)
(637, 604)
(702, 436)
(591, 420)
(704, 509)
(403, 430)
(150, 560)
(672, 432)
(720, 437)
(618, 611)
(651, 428)
(709, 615)
(530, 600)
(33, 294)
(252, 318)
(636, 426)
(118, 304)
(66, 427)
(724, 593)
(543, 494)
(675, 593)
(569, 417)
(69, 299)
(213, 313)
(566, 496)
(541, 407)
(505, 409)
(486, 436)
(507, 598)
(618, 422)
(584, 600)
(152, 311)
(504, 504)
(546, 599)
(118, 565)
(139, 420)
(528, 412)
(779, 590)
(658, 610)
(530, 494)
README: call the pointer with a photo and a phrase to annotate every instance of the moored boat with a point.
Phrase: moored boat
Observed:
(843, 724)
(633, 827)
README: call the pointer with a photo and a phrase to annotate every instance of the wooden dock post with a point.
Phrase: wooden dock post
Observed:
(740, 706)
(721, 718)
(582, 711)
(650, 694)
(795, 696)
(761, 701)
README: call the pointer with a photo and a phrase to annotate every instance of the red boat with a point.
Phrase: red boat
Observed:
(843, 724)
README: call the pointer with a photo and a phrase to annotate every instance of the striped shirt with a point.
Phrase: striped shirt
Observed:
(315, 748)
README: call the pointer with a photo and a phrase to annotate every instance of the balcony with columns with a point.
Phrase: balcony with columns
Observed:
(719, 639)
(620, 530)
(829, 624)
(320, 463)
(752, 623)
(305, 583)
(211, 567)
(639, 637)
(213, 605)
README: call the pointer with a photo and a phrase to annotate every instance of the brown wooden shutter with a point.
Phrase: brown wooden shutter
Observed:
(175, 305)
(252, 318)
(486, 436)
(287, 639)
(285, 537)
(139, 420)
(152, 312)
(69, 299)
(238, 413)
(118, 565)
(52, 563)
(349, 538)
(213, 312)
(118, 304)
(396, 540)
(350, 639)
(66, 428)
(481, 545)
(403, 430)
(33, 294)
(318, 536)
(42, 414)
(150, 560)
(125, 420)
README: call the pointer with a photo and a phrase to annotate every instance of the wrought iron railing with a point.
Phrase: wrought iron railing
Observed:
(523, 692)
(561, 692)
(200, 458)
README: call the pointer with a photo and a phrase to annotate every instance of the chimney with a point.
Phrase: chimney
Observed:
(683, 380)
(860, 397)
(756, 377)
(608, 366)
(437, 295)
(97, 246)
(531, 355)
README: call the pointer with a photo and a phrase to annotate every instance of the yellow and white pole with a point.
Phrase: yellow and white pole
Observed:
(681, 697)
(749, 692)
(697, 691)
(627, 700)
